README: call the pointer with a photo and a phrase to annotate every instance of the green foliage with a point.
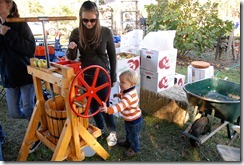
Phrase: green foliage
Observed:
(35, 8)
(197, 26)
(51, 8)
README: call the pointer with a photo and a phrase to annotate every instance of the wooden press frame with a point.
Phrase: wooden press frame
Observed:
(76, 133)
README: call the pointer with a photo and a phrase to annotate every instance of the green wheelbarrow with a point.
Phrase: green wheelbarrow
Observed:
(216, 97)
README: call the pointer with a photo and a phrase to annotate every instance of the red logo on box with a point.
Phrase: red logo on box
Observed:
(164, 63)
(180, 82)
(163, 83)
(133, 64)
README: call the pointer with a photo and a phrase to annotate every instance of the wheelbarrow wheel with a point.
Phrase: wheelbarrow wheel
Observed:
(199, 127)
(81, 93)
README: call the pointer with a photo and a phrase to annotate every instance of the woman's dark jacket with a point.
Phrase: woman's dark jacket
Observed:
(104, 55)
(17, 46)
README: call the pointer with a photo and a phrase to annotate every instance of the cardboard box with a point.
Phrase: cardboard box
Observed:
(129, 50)
(179, 79)
(133, 51)
(195, 74)
(158, 61)
(126, 61)
(157, 82)
(131, 40)
(117, 50)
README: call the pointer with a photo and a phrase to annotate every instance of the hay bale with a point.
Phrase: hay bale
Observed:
(171, 104)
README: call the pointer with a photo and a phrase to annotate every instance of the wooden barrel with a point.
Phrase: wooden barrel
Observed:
(56, 117)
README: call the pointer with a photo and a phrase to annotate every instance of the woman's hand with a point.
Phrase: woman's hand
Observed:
(3, 29)
(72, 45)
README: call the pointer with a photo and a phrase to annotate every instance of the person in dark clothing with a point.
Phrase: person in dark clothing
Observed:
(17, 46)
(96, 47)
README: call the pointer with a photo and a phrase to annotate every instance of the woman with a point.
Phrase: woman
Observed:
(96, 47)
(17, 46)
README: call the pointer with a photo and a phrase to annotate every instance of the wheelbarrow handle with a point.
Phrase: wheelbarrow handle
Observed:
(40, 19)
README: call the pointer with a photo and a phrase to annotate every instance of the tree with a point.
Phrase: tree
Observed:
(197, 25)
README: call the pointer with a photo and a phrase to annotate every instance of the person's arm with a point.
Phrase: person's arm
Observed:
(123, 103)
(20, 38)
(112, 56)
(71, 53)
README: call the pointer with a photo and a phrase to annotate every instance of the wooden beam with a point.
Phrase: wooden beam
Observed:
(40, 19)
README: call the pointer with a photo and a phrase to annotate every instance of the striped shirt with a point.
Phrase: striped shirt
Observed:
(127, 106)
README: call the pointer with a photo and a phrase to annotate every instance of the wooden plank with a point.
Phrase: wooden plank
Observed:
(30, 136)
(53, 78)
(40, 19)
(96, 132)
(40, 101)
(75, 153)
(229, 153)
(45, 141)
(64, 140)
(91, 141)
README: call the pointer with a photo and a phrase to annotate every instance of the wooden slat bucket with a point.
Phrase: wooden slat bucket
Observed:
(55, 117)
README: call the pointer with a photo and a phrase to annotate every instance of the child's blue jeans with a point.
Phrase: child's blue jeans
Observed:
(132, 134)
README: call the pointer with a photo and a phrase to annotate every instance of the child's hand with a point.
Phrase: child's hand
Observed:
(117, 95)
(103, 108)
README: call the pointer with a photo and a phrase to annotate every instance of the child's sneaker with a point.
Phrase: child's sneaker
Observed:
(112, 139)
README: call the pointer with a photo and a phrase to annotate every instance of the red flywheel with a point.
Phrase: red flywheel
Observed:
(81, 93)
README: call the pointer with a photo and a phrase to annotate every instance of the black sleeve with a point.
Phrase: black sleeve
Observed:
(20, 38)
(112, 56)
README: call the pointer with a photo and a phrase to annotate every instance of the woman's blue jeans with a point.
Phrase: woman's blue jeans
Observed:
(109, 119)
(20, 101)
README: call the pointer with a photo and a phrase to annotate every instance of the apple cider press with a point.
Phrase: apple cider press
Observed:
(62, 122)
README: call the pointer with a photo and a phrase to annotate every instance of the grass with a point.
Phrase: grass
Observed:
(161, 141)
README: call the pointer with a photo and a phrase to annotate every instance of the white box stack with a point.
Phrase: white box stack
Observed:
(158, 69)
(195, 74)
(158, 61)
